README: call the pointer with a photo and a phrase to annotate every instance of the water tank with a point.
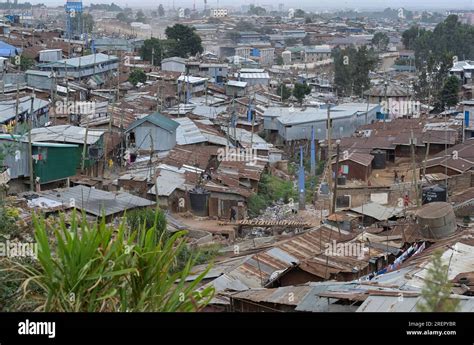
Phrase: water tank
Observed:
(380, 159)
(433, 193)
(199, 199)
(436, 220)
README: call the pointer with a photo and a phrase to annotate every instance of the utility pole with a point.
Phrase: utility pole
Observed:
(30, 145)
(386, 103)
(334, 196)
(415, 180)
(67, 91)
(427, 153)
(329, 158)
(84, 149)
(17, 100)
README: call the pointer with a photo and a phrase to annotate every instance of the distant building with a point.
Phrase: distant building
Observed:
(173, 64)
(50, 55)
(98, 66)
(317, 53)
(155, 131)
(235, 88)
(464, 70)
(296, 123)
(253, 76)
(40, 111)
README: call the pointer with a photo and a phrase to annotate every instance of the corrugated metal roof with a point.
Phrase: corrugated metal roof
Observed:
(376, 303)
(460, 258)
(288, 295)
(66, 134)
(167, 182)
(377, 211)
(95, 201)
(187, 132)
(237, 83)
(8, 108)
(158, 120)
(82, 61)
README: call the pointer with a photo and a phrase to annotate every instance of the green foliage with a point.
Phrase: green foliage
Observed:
(161, 10)
(437, 289)
(92, 267)
(149, 218)
(257, 10)
(299, 13)
(8, 219)
(270, 189)
(152, 51)
(140, 17)
(106, 7)
(351, 70)
(187, 40)
(284, 92)
(380, 41)
(450, 91)
(25, 62)
(123, 17)
(300, 91)
(84, 21)
(435, 52)
(233, 35)
(137, 76)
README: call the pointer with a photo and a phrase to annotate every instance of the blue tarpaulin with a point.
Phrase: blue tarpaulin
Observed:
(7, 50)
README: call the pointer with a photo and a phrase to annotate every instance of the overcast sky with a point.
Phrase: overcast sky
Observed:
(308, 4)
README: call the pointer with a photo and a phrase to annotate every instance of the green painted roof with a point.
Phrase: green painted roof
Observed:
(158, 120)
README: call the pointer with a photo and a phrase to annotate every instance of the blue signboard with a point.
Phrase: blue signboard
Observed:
(466, 119)
(74, 5)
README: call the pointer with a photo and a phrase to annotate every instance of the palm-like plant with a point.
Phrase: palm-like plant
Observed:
(96, 267)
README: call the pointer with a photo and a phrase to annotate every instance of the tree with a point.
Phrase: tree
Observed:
(257, 10)
(161, 11)
(284, 92)
(300, 91)
(187, 41)
(137, 76)
(140, 17)
(152, 51)
(187, 12)
(436, 292)
(279, 60)
(94, 267)
(122, 17)
(85, 21)
(380, 41)
(450, 91)
(351, 70)
(308, 20)
(299, 13)
(233, 35)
